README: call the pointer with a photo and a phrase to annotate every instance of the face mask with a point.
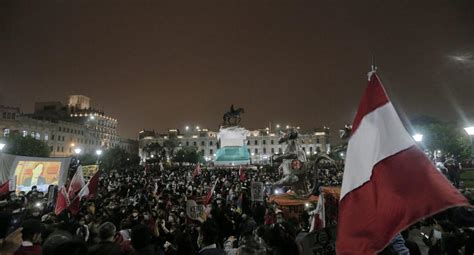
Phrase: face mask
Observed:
(134, 214)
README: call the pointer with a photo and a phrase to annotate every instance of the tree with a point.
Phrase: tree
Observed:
(155, 149)
(170, 145)
(87, 159)
(114, 159)
(446, 137)
(26, 146)
(188, 155)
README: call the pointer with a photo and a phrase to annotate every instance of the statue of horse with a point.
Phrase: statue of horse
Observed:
(233, 114)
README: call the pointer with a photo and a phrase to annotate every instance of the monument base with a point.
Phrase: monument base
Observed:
(232, 156)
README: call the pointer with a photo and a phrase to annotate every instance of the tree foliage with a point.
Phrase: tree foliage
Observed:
(88, 159)
(188, 155)
(446, 137)
(26, 146)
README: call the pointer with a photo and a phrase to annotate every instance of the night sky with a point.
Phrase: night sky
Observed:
(165, 64)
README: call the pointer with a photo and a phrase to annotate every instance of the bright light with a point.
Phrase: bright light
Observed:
(38, 204)
(253, 154)
(287, 126)
(77, 150)
(187, 128)
(2, 145)
(470, 130)
(73, 144)
(92, 117)
(214, 154)
(278, 125)
(342, 154)
(152, 156)
(197, 127)
(307, 204)
(418, 137)
(277, 192)
(307, 153)
(438, 151)
(98, 152)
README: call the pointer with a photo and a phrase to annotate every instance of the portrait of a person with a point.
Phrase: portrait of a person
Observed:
(36, 178)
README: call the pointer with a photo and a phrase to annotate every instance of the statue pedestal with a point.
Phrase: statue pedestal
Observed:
(233, 149)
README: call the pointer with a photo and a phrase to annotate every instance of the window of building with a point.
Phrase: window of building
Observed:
(4, 115)
(51, 148)
(52, 137)
(24, 133)
(59, 129)
(202, 151)
(187, 143)
(248, 142)
(46, 137)
(317, 140)
(273, 150)
(311, 149)
(62, 148)
(279, 150)
(264, 142)
(6, 132)
(202, 143)
(256, 151)
(32, 134)
(57, 149)
(9, 115)
(272, 142)
(210, 144)
(256, 142)
(37, 136)
(264, 150)
(211, 152)
(194, 143)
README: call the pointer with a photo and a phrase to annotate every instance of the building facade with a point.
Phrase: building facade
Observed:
(262, 144)
(66, 129)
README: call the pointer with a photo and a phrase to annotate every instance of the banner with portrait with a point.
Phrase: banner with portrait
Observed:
(256, 189)
(27, 172)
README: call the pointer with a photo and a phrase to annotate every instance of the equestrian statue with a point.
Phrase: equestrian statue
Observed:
(232, 117)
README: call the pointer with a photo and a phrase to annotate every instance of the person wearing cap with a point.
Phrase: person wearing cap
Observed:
(31, 238)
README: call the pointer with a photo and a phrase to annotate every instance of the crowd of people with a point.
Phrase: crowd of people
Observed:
(143, 211)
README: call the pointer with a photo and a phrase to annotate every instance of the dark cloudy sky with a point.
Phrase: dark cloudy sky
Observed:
(162, 64)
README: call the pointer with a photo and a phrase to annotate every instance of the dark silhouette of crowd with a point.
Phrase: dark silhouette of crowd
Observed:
(143, 211)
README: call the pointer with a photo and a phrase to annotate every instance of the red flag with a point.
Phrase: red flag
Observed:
(242, 174)
(77, 183)
(197, 171)
(62, 201)
(5, 188)
(75, 205)
(388, 182)
(209, 194)
(90, 189)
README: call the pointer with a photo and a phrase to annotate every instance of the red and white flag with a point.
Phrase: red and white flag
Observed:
(197, 170)
(210, 193)
(318, 215)
(388, 182)
(77, 183)
(242, 174)
(62, 201)
(90, 189)
(5, 187)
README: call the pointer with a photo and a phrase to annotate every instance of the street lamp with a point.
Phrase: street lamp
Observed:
(187, 128)
(418, 137)
(2, 145)
(278, 125)
(78, 150)
(98, 152)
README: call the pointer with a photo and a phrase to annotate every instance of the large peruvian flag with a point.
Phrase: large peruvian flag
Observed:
(388, 182)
